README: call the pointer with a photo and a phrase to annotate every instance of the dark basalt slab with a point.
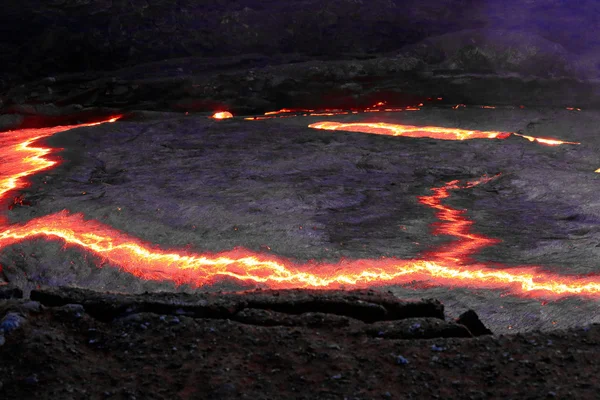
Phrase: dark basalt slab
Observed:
(363, 305)
(9, 291)
(417, 328)
(473, 323)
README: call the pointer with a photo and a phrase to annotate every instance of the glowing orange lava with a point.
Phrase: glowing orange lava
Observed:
(455, 224)
(149, 262)
(222, 115)
(20, 158)
(451, 265)
(435, 132)
(305, 112)
(546, 141)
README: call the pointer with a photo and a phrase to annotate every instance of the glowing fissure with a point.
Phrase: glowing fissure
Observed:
(546, 141)
(450, 265)
(434, 132)
(305, 112)
(149, 262)
(455, 224)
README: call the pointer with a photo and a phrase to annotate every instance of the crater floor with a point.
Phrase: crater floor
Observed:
(278, 187)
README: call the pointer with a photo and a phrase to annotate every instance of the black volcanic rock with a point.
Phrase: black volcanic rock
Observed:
(10, 291)
(471, 320)
(417, 328)
(363, 305)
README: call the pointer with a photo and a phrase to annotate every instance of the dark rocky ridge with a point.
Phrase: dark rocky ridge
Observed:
(258, 56)
(49, 37)
(399, 80)
(361, 312)
(62, 351)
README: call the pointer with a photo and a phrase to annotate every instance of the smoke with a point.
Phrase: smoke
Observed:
(574, 25)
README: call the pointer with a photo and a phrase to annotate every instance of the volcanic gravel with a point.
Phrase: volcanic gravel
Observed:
(64, 352)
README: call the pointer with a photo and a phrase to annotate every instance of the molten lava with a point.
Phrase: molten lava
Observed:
(435, 132)
(21, 158)
(455, 224)
(222, 115)
(546, 141)
(450, 265)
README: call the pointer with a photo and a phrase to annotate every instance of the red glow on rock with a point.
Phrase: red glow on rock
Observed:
(296, 112)
(545, 141)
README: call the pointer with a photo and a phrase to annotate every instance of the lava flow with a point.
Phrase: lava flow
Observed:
(455, 224)
(434, 132)
(450, 265)
(21, 159)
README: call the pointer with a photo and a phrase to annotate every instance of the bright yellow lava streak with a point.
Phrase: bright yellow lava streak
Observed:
(149, 262)
(434, 132)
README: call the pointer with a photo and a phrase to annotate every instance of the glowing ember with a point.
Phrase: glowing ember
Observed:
(548, 142)
(257, 118)
(331, 113)
(289, 110)
(222, 115)
(450, 265)
(295, 112)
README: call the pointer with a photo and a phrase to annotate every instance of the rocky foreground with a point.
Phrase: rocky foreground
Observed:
(302, 344)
